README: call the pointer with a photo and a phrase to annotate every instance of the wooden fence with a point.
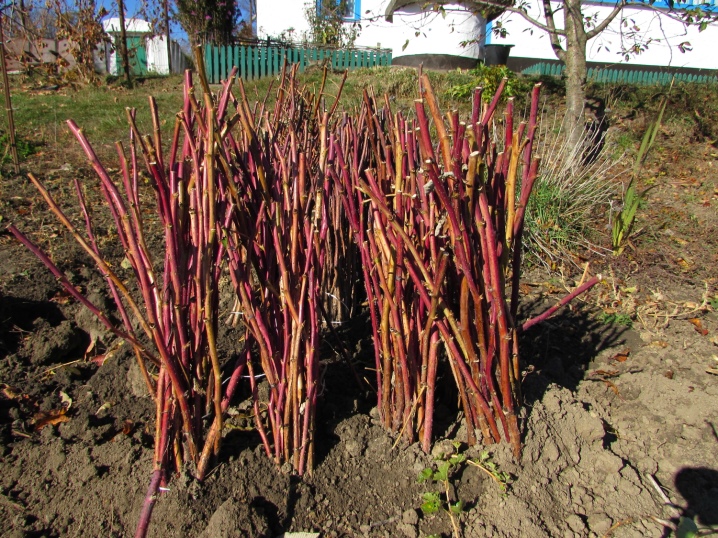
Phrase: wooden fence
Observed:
(262, 61)
(622, 76)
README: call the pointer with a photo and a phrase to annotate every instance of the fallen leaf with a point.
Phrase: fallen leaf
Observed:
(62, 297)
(99, 360)
(127, 427)
(605, 373)
(525, 289)
(105, 406)
(52, 417)
(631, 289)
(611, 386)
(66, 400)
(10, 393)
(696, 322)
(668, 374)
(683, 263)
(659, 343)
(93, 343)
(621, 356)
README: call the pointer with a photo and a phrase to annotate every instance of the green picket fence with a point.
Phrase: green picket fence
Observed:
(620, 76)
(260, 61)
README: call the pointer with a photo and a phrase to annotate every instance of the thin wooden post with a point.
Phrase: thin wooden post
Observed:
(8, 102)
(123, 44)
(167, 36)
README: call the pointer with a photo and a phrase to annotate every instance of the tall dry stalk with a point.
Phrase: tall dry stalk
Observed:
(175, 308)
(439, 227)
(280, 259)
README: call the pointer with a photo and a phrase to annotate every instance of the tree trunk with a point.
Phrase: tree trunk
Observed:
(123, 43)
(575, 60)
(575, 92)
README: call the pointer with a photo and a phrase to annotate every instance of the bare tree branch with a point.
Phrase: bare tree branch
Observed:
(552, 32)
(608, 20)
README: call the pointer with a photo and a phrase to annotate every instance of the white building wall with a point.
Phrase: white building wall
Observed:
(157, 55)
(155, 47)
(277, 16)
(664, 33)
(422, 33)
(414, 31)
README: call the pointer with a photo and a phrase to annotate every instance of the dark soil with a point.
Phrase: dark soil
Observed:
(621, 398)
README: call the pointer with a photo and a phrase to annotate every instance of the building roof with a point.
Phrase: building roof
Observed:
(488, 12)
(132, 26)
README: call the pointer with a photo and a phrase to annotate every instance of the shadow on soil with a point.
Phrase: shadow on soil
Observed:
(17, 316)
(560, 349)
(699, 487)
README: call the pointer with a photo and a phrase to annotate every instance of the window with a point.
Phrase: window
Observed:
(349, 9)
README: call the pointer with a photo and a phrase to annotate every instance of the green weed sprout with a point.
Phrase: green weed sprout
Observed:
(503, 479)
(441, 473)
(633, 199)
(616, 319)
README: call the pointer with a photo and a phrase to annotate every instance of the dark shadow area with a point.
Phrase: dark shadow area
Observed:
(293, 495)
(16, 319)
(560, 349)
(242, 431)
(610, 436)
(699, 487)
(269, 512)
(349, 384)
(596, 128)
(42, 534)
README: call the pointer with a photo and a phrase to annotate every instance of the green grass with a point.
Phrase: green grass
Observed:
(24, 147)
(558, 224)
(616, 319)
(40, 116)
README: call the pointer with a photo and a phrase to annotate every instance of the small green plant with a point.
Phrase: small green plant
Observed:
(486, 464)
(441, 473)
(687, 528)
(489, 77)
(24, 148)
(565, 213)
(616, 319)
(633, 199)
